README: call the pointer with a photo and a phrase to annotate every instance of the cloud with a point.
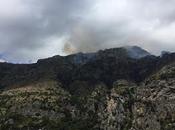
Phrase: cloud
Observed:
(26, 27)
(112, 23)
(31, 29)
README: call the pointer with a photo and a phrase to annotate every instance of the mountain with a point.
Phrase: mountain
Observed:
(111, 89)
(103, 66)
(136, 52)
(165, 52)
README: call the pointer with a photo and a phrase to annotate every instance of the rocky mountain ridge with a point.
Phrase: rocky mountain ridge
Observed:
(110, 92)
(104, 66)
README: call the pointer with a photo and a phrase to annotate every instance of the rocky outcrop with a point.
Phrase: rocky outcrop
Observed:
(105, 66)
(155, 103)
(56, 94)
(125, 106)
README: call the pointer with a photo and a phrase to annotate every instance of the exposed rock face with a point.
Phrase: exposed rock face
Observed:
(105, 66)
(125, 106)
(154, 107)
(32, 104)
(38, 97)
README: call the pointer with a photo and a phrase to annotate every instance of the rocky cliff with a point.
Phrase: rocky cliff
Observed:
(107, 90)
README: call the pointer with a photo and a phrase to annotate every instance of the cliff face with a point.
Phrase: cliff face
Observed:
(125, 106)
(105, 66)
(155, 103)
(59, 94)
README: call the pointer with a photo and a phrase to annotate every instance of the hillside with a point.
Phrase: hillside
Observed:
(103, 66)
(106, 90)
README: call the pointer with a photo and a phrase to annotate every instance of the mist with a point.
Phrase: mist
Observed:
(30, 30)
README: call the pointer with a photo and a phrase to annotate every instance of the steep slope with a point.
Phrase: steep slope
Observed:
(105, 66)
(42, 105)
(124, 106)
(155, 103)
(107, 90)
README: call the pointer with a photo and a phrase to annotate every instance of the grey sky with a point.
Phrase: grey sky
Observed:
(33, 29)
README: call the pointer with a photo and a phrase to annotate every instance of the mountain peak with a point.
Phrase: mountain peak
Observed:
(136, 52)
(133, 52)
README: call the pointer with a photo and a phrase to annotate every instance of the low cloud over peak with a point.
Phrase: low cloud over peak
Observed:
(31, 29)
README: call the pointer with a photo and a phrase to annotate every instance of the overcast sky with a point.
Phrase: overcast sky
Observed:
(34, 29)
